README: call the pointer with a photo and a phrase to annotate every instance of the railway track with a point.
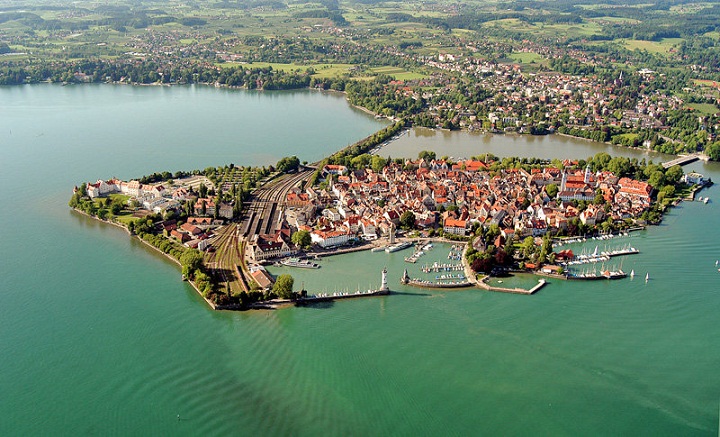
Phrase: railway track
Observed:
(227, 263)
(265, 208)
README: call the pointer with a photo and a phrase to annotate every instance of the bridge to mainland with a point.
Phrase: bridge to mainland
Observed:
(684, 160)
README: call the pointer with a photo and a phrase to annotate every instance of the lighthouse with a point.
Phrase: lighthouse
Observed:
(384, 283)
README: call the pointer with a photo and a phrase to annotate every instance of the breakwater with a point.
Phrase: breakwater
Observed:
(483, 284)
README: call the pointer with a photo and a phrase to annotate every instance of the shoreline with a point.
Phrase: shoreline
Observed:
(361, 108)
(155, 249)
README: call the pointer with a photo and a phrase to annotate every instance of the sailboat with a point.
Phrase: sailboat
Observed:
(632, 273)
(647, 277)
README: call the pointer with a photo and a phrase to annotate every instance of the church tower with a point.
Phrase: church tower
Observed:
(587, 174)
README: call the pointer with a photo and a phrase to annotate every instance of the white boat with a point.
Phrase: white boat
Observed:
(647, 277)
(706, 200)
(399, 246)
(297, 262)
(632, 273)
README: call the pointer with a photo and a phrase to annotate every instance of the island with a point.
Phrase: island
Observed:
(223, 225)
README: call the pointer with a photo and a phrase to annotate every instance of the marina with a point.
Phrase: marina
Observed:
(596, 255)
(441, 267)
(420, 250)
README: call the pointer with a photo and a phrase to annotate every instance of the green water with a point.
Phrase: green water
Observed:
(99, 336)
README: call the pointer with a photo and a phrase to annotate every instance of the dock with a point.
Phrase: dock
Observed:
(461, 283)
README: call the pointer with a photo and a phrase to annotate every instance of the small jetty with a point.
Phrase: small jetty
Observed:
(591, 276)
(483, 283)
(601, 256)
(323, 297)
(443, 281)
(442, 267)
(419, 251)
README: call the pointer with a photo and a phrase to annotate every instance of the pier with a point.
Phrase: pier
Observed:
(339, 296)
(483, 284)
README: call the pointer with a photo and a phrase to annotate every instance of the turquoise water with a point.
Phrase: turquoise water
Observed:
(100, 336)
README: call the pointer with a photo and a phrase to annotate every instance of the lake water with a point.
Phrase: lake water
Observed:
(100, 336)
(466, 144)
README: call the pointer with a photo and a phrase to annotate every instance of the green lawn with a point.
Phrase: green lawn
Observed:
(629, 136)
(704, 108)
(125, 217)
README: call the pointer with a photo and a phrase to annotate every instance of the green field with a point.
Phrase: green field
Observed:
(329, 70)
(659, 47)
(525, 57)
(704, 108)
(549, 30)
(397, 73)
(321, 70)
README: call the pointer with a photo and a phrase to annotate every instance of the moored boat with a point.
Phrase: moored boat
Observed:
(398, 246)
(302, 263)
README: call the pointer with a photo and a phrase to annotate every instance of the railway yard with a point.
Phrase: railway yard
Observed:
(261, 215)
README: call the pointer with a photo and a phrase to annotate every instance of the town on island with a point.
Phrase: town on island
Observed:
(222, 225)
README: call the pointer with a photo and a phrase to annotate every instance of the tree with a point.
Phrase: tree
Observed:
(302, 239)
(287, 164)
(191, 261)
(551, 190)
(284, 286)
(407, 220)
(377, 163)
(673, 174)
(427, 155)
(657, 179)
